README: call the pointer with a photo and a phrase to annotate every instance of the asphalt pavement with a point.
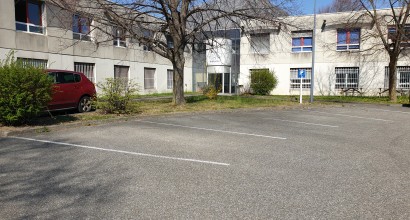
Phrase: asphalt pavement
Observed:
(350, 162)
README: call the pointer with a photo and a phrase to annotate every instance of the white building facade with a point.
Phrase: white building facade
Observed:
(38, 35)
(347, 59)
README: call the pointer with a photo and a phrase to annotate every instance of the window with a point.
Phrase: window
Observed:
(170, 78)
(295, 81)
(260, 43)
(149, 78)
(121, 72)
(86, 68)
(302, 44)
(147, 34)
(348, 39)
(403, 77)
(405, 41)
(33, 62)
(302, 41)
(119, 37)
(29, 16)
(81, 28)
(347, 77)
(64, 77)
(170, 42)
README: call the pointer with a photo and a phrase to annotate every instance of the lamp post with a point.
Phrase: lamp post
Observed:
(312, 76)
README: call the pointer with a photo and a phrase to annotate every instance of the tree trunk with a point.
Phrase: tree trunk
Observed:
(178, 79)
(393, 78)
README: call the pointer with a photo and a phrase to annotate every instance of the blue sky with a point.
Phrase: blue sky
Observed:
(307, 5)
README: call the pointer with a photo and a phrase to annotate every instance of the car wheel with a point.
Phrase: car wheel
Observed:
(84, 105)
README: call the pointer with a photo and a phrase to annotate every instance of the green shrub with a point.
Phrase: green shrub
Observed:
(116, 96)
(263, 81)
(24, 91)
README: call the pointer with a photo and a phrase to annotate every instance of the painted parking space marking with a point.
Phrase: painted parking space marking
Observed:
(385, 110)
(214, 130)
(122, 151)
(301, 122)
(352, 116)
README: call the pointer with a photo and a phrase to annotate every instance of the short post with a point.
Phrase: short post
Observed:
(301, 76)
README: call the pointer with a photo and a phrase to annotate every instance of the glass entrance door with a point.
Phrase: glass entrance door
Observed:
(220, 81)
(215, 80)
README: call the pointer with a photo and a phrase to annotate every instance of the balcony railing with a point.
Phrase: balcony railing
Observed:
(31, 28)
(81, 36)
(342, 47)
(120, 43)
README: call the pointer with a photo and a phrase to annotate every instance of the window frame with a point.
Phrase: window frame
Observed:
(170, 79)
(346, 79)
(40, 63)
(259, 41)
(28, 26)
(402, 84)
(153, 78)
(85, 68)
(80, 35)
(302, 45)
(391, 30)
(119, 37)
(348, 46)
(116, 67)
(295, 81)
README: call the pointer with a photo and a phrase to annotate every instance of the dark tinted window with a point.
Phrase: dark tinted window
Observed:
(77, 78)
(63, 77)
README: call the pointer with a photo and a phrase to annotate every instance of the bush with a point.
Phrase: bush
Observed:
(116, 96)
(210, 91)
(24, 91)
(263, 81)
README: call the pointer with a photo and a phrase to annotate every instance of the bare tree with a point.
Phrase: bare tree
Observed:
(169, 27)
(392, 29)
(342, 6)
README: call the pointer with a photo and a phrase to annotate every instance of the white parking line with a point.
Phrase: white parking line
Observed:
(352, 116)
(124, 152)
(301, 122)
(385, 110)
(208, 129)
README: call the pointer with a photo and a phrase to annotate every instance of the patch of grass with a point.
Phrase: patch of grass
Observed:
(43, 129)
(361, 99)
(201, 103)
(167, 94)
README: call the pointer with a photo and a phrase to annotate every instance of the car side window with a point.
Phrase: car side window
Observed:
(52, 76)
(77, 78)
(63, 77)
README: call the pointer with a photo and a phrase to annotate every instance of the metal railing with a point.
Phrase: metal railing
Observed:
(31, 28)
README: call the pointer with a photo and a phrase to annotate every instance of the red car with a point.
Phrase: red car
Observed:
(72, 90)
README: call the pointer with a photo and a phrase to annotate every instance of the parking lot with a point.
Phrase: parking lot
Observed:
(349, 162)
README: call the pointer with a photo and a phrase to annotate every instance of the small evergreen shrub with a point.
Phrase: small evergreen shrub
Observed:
(116, 96)
(24, 91)
(263, 81)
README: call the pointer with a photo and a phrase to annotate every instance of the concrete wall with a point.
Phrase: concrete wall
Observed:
(61, 50)
(371, 58)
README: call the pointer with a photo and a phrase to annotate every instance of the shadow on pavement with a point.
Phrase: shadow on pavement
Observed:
(45, 181)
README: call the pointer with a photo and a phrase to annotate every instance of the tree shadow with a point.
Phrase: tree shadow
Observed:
(46, 181)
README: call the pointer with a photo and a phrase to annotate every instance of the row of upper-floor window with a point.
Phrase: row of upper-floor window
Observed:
(347, 39)
(29, 18)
